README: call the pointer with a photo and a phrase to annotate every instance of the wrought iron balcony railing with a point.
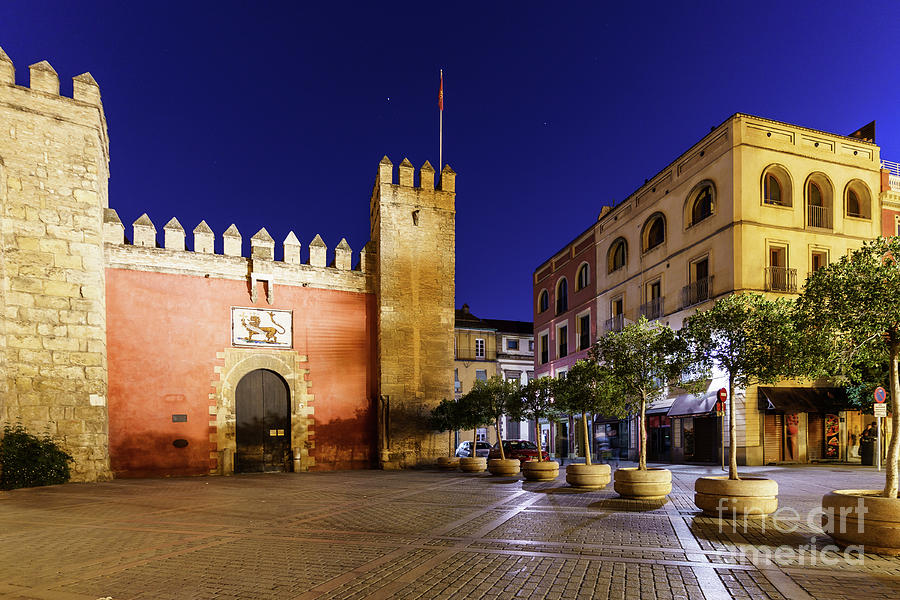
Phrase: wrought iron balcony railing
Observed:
(781, 279)
(652, 309)
(696, 292)
(615, 323)
(818, 216)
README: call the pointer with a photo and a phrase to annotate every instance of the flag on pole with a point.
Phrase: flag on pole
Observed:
(441, 93)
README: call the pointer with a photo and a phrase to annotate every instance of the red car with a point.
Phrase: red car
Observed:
(521, 449)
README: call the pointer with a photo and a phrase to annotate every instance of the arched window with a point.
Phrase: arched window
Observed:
(818, 201)
(654, 232)
(584, 277)
(618, 255)
(543, 301)
(562, 296)
(776, 186)
(702, 204)
(857, 200)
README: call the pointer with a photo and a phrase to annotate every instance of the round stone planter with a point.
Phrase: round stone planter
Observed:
(503, 466)
(469, 464)
(863, 518)
(651, 484)
(730, 498)
(448, 463)
(592, 477)
(545, 470)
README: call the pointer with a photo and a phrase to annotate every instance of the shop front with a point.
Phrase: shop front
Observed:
(807, 425)
(697, 431)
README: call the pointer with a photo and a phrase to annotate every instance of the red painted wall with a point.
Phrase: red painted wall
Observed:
(163, 333)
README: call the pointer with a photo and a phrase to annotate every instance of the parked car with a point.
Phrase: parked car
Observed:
(465, 449)
(521, 449)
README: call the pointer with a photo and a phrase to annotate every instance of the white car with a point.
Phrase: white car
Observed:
(465, 449)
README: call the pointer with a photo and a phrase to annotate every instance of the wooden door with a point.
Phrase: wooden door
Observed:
(262, 423)
(774, 438)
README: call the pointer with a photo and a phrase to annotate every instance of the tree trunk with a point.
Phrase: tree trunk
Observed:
(450, 442)
(732, 432)
(890, 484)
(587, 442)
(474, 442)
(499, 439)
(642, 425)
(537, 430)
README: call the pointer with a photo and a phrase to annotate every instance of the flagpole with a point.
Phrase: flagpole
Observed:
(441, 126)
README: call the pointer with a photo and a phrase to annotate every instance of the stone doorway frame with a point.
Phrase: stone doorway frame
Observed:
(231, 366)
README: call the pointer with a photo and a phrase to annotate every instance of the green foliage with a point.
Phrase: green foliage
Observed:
(849, 315)
(29, 461)
(849, 312)
(535, 401)
(643, 359)
(444, 416)
(589, 388)
(746, 335)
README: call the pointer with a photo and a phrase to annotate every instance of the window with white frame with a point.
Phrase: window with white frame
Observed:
(479, 348)
(512, 344)
(480, 375)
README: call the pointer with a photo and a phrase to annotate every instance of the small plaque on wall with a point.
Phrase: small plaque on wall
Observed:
(179, 418)
(262, 327)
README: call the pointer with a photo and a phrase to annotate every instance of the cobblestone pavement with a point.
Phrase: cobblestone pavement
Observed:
(421, 534)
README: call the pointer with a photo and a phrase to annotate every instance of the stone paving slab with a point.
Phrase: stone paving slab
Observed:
(420, 535)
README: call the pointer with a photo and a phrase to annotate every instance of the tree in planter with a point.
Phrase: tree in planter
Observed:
(535, 401)
(589, 388)
(445, 417)
(495, 400)
(849, 316)
(472, 407)
(643, 359)
(749, 337)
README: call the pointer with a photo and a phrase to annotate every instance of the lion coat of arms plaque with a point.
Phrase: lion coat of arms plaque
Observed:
(261, 327)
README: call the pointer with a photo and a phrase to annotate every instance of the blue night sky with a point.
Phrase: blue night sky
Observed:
(275, 114)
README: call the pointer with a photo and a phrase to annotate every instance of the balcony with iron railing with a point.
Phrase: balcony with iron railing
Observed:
(781, 279)
(818, 216)
(472, 354)
(652, 309)
(893, 170)
(696, 292)
(615, 323)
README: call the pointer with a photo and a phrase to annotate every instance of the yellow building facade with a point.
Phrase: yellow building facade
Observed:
(755, 206)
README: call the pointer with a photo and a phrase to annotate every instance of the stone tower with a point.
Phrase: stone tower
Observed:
(413, 238)
(54, 169)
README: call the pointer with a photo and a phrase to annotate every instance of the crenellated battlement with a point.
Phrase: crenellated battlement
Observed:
(145, 252)
(407, 174)
(44, 78)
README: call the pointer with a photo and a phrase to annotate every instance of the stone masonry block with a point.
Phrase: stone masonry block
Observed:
(204, 238)
(232, 241)
(7, 70)
(262, 245)
(343, 256)
(44, 78)
(291, 249)
(173, 234)
(144, 232)
(317, 252)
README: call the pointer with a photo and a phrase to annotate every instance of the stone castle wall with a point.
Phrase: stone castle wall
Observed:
(54, 157)
(414, 234)
(376, 341)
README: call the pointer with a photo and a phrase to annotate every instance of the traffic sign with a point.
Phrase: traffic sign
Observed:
(723, 394)
(880, 395)
(881, 410)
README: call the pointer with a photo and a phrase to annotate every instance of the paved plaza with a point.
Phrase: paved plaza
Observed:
(420, 534)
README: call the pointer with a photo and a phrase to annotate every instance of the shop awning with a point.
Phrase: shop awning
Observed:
(660, 407)
(689, 405)
(803, 399)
